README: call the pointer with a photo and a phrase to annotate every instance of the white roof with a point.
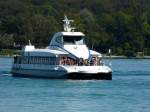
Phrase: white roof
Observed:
(71, 33)
(45, 52)
(28, 48)
(95, 53)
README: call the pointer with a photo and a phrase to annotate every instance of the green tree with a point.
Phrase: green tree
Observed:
(6, 41)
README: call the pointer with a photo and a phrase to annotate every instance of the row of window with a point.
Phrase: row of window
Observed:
(35, 60)
(55, 61)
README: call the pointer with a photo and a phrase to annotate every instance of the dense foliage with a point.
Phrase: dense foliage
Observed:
(122, 25)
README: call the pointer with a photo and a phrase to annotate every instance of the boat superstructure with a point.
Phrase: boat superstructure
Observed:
(67, 56)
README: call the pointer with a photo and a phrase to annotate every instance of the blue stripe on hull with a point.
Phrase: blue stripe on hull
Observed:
(38, 73)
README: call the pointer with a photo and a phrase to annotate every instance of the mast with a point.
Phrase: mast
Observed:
(67, 25)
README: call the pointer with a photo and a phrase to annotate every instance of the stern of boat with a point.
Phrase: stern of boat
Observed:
(88, 72)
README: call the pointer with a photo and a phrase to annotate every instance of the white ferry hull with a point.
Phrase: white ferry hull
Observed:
(65, 72)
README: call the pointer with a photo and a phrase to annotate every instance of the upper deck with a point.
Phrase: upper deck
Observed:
(68, 36)
(67, 42)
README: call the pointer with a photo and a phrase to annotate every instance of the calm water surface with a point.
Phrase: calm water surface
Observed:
(129, 91)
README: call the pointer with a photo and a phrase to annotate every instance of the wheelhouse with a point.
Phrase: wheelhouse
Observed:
(73, 40)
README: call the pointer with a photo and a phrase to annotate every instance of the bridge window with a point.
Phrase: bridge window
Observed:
(76, 40)
(59, 39)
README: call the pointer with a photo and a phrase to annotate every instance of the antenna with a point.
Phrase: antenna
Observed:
(67, 25)
(30, 42)
(109, 53)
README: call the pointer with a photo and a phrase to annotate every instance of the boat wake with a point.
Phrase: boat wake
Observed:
(5, 73)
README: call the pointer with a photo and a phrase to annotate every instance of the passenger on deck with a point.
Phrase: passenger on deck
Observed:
(81, 61)
(86, 63)
(61, 61)
(67, 61)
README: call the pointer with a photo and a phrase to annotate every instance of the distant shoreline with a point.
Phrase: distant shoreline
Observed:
(6, 56)
(125, 57)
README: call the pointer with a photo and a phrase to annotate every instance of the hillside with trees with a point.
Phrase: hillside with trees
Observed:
(122, 25)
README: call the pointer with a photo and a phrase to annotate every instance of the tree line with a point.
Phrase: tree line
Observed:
(120, 25)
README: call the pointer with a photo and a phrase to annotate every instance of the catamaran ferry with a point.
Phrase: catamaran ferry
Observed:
(66, 57)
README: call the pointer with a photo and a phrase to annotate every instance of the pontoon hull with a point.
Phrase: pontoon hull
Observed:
(86, 76)
(56, 74)
(62, 72)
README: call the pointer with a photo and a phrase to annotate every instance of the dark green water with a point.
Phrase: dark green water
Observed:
(129, 91)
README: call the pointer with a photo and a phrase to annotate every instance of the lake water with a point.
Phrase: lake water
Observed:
(128, 91)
